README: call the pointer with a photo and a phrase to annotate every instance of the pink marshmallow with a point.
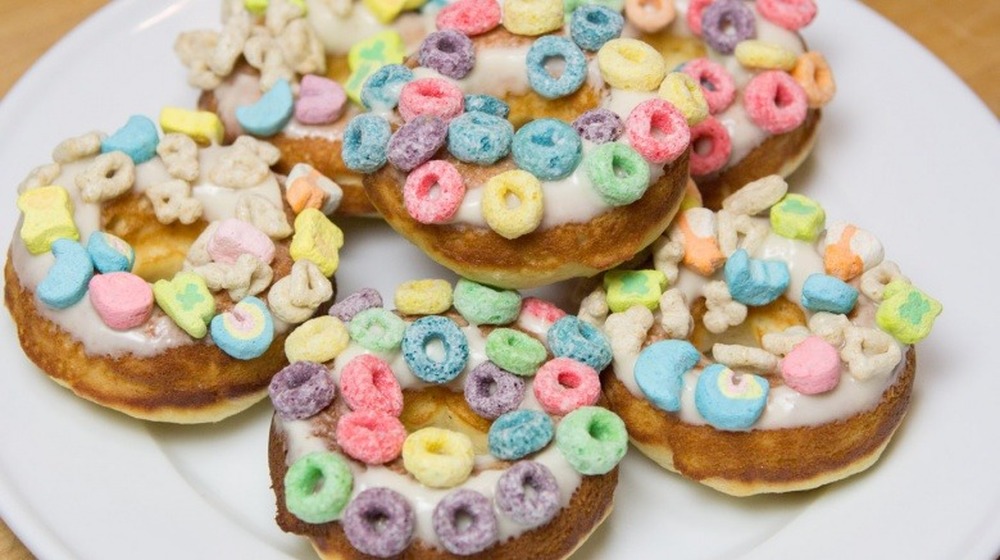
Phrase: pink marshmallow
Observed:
(812, 367)
(321, 100)
(235, 237)
(122, 299)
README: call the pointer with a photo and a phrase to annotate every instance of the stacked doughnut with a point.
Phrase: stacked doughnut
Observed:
(285, 70)
(762, 354)
(763, 88)
(554, 199)
(158, 277)
(464, 423)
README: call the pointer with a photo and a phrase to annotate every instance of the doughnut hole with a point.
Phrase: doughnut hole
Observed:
(159, 249)
(439, 407)
(771, 318)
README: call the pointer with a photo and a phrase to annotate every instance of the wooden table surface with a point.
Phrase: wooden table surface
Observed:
(965, 34)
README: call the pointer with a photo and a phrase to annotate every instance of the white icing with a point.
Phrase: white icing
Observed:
(81, 320)
(301, 439)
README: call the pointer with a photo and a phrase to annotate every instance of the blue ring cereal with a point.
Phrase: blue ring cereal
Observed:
(455, 348)
(547, 148)
(574, 71)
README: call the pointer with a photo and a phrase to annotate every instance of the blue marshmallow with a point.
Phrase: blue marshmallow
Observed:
(138, 139)
(67, 281)
(269, 114)
(822, 292)
(755, 281)
(659, 371)
(110, 253)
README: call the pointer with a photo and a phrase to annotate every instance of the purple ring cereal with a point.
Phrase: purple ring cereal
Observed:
(379, 522)
(416, 142)
(301, 390)
(449, 52)
(599, 126)
(725, 23)
(465, 523)
(528, 493)
(491, 391)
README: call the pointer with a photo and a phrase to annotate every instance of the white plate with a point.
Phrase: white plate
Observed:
(906, 151)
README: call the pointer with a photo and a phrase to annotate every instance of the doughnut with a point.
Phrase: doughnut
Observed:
(533, 174)
(764, 350)
(476, 430)
(291, 72)
(763, 86)
(159, 277)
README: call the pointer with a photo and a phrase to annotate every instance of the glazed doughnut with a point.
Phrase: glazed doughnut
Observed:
(763, 86)
(158, 277)
(779, 358)
(593, 174)
(292, 73)
(465, 423)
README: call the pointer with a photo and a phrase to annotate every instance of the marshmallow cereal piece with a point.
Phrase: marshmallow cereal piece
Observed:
(756, 196)
(675, 316)
(264, 215)
(737, 356)
(108, 176)
(248, 275)
(740, 232)
(385, 10)
(321, 100)
(667, 254)
(77, 148)
(685, 93)
(755, 281)
(269, 114)
(204, 127)
(185, 299)
(137, 139)
(532, 17)
(48, 216)
(319, 340)
(798, 217)
(295, 298)
(722, 312)
(627, 330)
(594, 307)
(66, 281)
(906, 312)
(382, 48)
(874, 281)
(761, 55)
(728, 400)
(110, 253)
(848, 251)
(308, 188)
(822, 292)
(246, 331)
(122, 299)
(659, 371)
(695, 230)
(423, 297)
(812, 367)
(524, 217)
(172, 201)
(179, 154)
(244, 164)
(869, 352)
(631, 64)
(627, 288)
(233, 238)
(41, 176)
(317, 239)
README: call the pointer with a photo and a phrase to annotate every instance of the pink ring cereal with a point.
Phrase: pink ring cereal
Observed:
(471, 17)
(790, 14)
(367, 383)
(372, 437)
(439, 207)
(813, 73)
(430, 96)
(658, 131)
(775, 102)
(710, 147)
(563, 385)
(650, 16)
(716, 83)
(541, 309)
